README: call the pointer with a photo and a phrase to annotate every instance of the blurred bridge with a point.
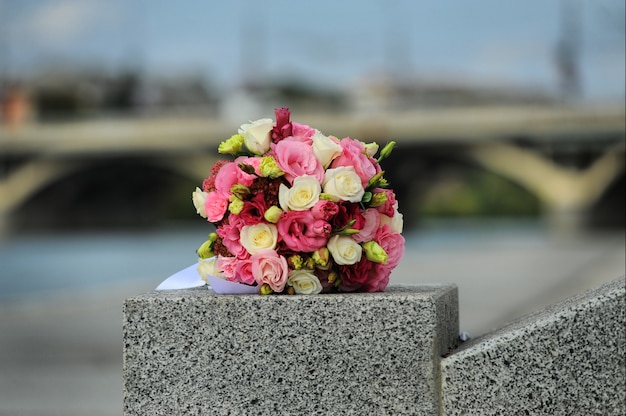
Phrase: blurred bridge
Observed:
(566, 156)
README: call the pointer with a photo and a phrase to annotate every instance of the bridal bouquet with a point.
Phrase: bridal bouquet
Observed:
(299, 212)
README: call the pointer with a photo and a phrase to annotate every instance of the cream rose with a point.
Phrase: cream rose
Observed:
(345, 250)
(255, 238)
(303, 194)
(325, 148)
(199, 198)
(395, 223)
(304, 282)
(208, 267)
(343, 183)
(256, 135)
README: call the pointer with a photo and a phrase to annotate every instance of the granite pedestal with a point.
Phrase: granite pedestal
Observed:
(192, 352)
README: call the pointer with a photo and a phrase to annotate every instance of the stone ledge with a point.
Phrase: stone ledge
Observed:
(566, 359)
(192, 352)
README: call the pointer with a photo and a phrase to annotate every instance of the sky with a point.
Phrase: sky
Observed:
(324, 42)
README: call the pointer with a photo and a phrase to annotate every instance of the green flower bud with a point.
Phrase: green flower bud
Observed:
(273, 214)
(386, 150)
(295, 261)
(231, 146)
(206, 249)
(240, 191)
(269, 168)
(374, 252)
(266, 290)
(378, 199)
(309, 264)
(375, 180)
(327, 197)
(235, 206)
(321, 257)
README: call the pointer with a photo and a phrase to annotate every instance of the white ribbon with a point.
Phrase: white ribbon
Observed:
(189, 278)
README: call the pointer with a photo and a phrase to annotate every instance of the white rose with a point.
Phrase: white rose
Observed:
(343, 183)
(256, 135)
(198, 197)
(208, 267)
(303, 194)
(395, 223)
(325, 149)
(304, 282)
(345, 250)
(258, 237)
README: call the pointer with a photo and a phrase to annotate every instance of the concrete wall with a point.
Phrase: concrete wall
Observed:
(565, 360)
(191, 352)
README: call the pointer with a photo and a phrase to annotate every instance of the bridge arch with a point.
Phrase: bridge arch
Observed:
(133, 191)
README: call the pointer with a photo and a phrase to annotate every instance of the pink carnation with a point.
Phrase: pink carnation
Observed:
(378, 279)
(215, 205)
(230, 234)
(253, 210)
(296, 158)
(271, 268)
(354, 155)
(229, 175)
(325, 210)
(227, 265)
(300, 231)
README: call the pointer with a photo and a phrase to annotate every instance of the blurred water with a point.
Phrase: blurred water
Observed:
(45, 263)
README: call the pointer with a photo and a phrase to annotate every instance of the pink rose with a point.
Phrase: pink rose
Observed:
(370, 226)
(243, 271)
(354, 155)
(215, 206)
(303, 132)
(388, 207)
(229, 175)
(355, 276)
(325, 210)
(393, 244)
(271, 268)
(230, 234)
(296, 158)
(300, 231)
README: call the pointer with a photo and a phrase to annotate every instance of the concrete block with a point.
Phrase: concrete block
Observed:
(564, 360)
(191, 352)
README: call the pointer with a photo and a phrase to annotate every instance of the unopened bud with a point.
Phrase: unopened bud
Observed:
(236, 205)
(332, 277)
(240, 191)
(386, 150)
(374, 252)
(321, 257)
(378, 199)
(273, 214)
(295, 261)
(266, 289)
(206, 249)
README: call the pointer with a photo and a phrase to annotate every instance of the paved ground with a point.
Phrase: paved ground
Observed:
(61, 354)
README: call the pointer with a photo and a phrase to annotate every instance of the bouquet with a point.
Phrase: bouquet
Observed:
(298, 212)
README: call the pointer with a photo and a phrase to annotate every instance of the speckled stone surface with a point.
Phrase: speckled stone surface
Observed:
(191, 352)
(565, 360)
